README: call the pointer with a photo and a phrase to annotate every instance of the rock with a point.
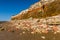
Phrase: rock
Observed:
(43, 37)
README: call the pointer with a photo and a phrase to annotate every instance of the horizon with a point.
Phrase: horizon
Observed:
(9, 8)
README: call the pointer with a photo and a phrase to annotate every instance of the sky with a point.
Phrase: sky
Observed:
(9, 8)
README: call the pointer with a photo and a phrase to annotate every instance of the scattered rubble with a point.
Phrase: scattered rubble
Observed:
(36, 25)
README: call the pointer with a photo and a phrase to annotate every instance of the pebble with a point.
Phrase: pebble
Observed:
(23, 32)
(32, 32)
(45, 31)
(9, 30)
(43, 37)
(17, 27)
(55, 32)
(58, 31)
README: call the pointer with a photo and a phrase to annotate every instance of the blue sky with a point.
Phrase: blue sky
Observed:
(13, 7)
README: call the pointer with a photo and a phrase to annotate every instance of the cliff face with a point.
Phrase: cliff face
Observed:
(28, 12)
(41, 9)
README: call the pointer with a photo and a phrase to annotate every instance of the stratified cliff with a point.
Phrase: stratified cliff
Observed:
(40, 9)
